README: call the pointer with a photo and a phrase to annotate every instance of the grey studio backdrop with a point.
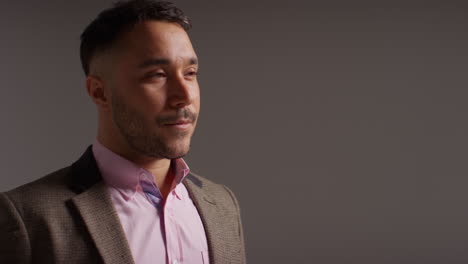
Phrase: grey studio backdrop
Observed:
(340, 125)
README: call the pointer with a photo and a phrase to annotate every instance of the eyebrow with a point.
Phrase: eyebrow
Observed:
(163, 61)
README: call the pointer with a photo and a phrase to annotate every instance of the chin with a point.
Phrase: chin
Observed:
(175, 154)
(177, 150)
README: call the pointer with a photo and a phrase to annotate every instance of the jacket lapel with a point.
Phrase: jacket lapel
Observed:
(95, 206)
(210, 216)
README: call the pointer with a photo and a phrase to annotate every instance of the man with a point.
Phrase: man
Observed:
(130, 198)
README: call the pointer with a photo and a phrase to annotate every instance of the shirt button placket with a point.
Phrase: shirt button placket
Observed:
(172, 230)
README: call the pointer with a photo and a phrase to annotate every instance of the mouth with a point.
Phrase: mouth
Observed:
(180, 124)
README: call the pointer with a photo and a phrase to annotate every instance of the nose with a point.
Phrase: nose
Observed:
(181, 92)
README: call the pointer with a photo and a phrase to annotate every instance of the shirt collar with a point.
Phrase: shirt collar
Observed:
(125, 175)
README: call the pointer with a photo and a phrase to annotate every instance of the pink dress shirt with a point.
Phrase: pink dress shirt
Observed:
(157, 230)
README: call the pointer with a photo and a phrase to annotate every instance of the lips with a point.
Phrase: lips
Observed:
(180, 122)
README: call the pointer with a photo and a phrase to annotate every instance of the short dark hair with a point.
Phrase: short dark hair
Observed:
(111, 23)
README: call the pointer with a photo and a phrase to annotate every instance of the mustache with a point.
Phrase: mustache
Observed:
(182, 113)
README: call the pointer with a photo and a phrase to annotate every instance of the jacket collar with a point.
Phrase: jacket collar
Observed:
(84, 172)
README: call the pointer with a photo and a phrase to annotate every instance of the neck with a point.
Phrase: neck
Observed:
(161, 170)
(159, 167)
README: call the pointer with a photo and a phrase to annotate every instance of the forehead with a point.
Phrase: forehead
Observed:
(156, 39)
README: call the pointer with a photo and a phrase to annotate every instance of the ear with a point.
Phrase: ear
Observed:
(97, 91)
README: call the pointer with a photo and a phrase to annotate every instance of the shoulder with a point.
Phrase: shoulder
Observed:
(205, 183)
(56, 181)
(43, 192)
(218, 192)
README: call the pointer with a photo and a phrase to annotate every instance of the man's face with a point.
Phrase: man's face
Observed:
(155, 95)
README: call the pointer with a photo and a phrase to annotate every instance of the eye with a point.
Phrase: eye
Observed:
(192, 73)
(154, 76)
(157, 75)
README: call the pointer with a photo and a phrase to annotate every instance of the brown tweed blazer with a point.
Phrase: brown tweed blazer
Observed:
(68, 217)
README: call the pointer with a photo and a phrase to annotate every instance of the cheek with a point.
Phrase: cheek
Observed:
(196, 100)
(154, 103)
(149, 98)
(195, 94)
